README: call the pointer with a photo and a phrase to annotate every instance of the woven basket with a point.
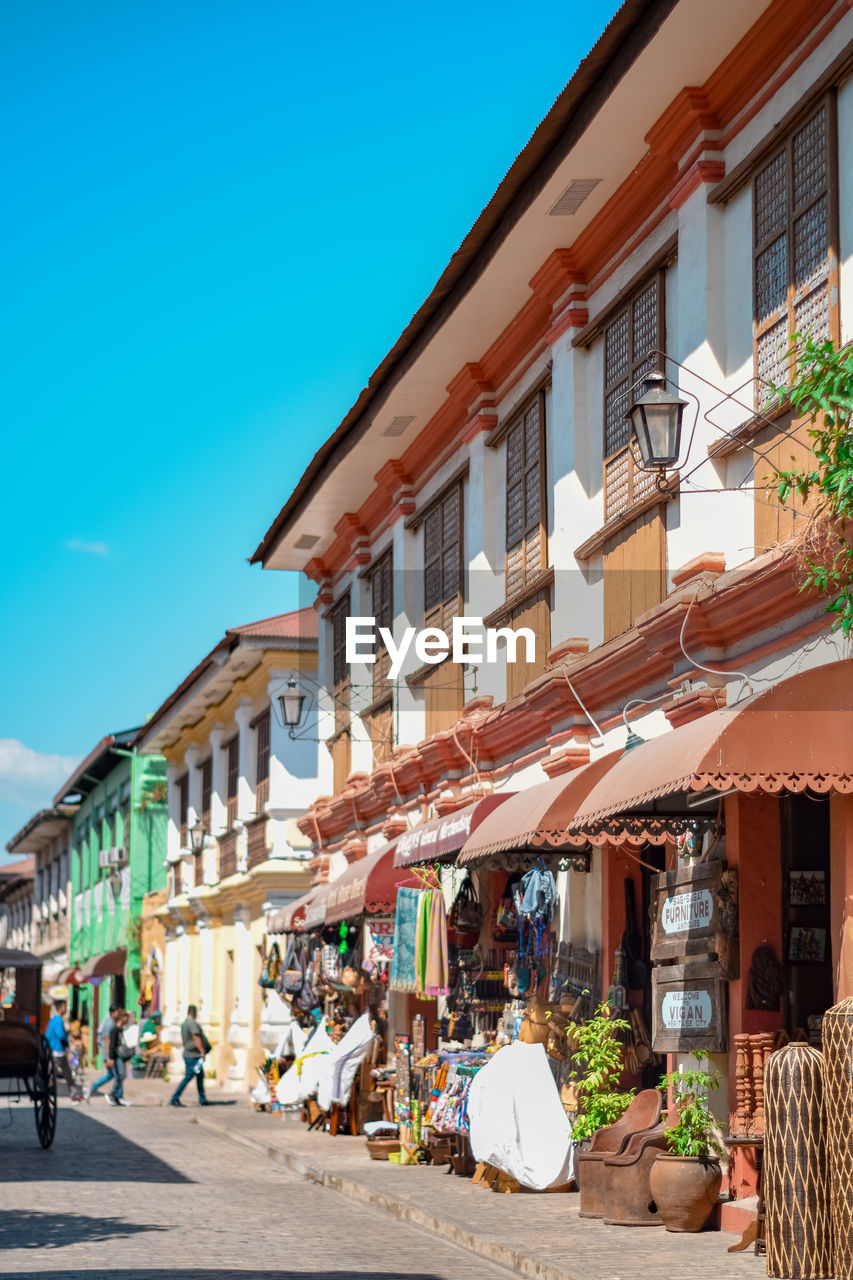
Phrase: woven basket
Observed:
(381, 1148)
(838, 1101)
(796, 1176)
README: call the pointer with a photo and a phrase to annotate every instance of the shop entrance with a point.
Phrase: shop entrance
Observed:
(806, 938)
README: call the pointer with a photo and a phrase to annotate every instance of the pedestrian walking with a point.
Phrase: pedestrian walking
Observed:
(196, 1045)
(118, 1057)
(56, 1035)
(105, 1027)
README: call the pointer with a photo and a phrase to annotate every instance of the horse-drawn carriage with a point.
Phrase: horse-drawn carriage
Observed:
(26, 1061)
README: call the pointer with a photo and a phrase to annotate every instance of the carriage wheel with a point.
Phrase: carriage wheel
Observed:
(44, 1095)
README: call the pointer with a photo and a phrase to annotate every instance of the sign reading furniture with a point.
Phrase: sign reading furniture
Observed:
(694, 950)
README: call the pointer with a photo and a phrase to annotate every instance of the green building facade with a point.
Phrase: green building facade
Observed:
(118, 851)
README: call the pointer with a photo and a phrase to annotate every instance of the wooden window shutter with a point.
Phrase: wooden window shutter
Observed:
(630, 339)
(443, 559)
(340, 670)
(634, 571)
(795, 271)
(262, 760)
(381, 580)
(206, 791)
(233, 749)
(183, 807)
(525, 505)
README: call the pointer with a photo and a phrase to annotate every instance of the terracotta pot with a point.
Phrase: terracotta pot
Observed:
(685, 1190)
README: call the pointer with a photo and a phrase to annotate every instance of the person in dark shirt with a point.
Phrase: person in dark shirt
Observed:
(115, 1059)
(195, 1047)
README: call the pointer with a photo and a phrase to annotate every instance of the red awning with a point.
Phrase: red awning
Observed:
(795, 736)
(367, 887)
(288, 917)
(70, 977)
(441, 837)
(107, 965)
(538, 818)
(313, 914)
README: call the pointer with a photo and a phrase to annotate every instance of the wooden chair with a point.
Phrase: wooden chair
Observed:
(628, 1197)
(642, 1116)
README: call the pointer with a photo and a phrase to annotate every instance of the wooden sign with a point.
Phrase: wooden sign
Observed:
(689, 1008)
(696, 914)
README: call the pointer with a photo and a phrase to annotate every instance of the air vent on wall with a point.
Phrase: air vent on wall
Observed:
(307, 541)
(573, 197)
(397, 426)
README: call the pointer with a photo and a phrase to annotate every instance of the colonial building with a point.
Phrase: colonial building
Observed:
(237, 782)
(684, 208)
(16, 904)
(118, 849)
(47, 838)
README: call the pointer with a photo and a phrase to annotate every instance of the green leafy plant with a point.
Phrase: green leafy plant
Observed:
(694, 1134)
(822, 389)
(598, 1063)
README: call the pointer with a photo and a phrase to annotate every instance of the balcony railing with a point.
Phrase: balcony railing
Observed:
(258, 851)
(228, 854)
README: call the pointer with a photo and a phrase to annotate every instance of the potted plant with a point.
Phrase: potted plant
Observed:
(685, 1180)
(598, 1062)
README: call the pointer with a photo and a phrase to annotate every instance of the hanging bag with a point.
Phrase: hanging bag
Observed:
(272, 967)
(291, 978)
(466, 916)
(505, 927)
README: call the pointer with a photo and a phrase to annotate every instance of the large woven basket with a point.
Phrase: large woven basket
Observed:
(796, 1176)
(381, 1148)
(837, 1031)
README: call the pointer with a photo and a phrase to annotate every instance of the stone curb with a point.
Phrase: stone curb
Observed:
(518, 1263)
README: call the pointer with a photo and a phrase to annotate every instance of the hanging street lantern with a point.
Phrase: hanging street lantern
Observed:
(197, 834)
(291, 704)
(655, 418)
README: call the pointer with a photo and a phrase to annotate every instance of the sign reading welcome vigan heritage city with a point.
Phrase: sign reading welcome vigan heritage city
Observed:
(469, 643)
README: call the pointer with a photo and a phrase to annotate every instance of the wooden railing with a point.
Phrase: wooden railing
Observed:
(258, 851)
(228, 854)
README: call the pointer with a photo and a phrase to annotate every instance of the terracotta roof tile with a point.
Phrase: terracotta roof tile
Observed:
(300, 624)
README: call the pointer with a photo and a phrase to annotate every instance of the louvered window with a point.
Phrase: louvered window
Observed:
(206, 789)
(443, 559)
(381, 580)
(340, 670)
(629, 340)
(794, 272)
(233, 749)
(261, 727)
(525, 507)
(183, 809)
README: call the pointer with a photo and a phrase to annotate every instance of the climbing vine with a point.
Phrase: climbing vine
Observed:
(822, 390)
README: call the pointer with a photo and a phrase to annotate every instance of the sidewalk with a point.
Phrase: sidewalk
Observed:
(539, 1236)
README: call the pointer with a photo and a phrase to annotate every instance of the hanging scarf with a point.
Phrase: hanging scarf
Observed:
(422, 939)
(405, 928)
(436, 982)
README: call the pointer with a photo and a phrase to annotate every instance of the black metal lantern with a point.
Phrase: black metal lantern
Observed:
(291, 703)
(197, 834)
(655, 417)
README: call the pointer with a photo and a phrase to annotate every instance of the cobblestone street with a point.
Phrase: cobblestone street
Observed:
(143, 1193)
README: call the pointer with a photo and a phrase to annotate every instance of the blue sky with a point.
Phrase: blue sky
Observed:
(217, 219)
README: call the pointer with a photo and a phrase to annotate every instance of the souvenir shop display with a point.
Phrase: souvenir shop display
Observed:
(420, 961)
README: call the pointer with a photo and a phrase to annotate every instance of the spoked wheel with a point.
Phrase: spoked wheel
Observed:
(44, 1095)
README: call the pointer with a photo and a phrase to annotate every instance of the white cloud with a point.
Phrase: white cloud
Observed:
(89, 548)
(26, 774)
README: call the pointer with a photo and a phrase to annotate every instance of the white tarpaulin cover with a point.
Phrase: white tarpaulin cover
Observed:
(517, 1120)
(338, 1070)
(300, 1081)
